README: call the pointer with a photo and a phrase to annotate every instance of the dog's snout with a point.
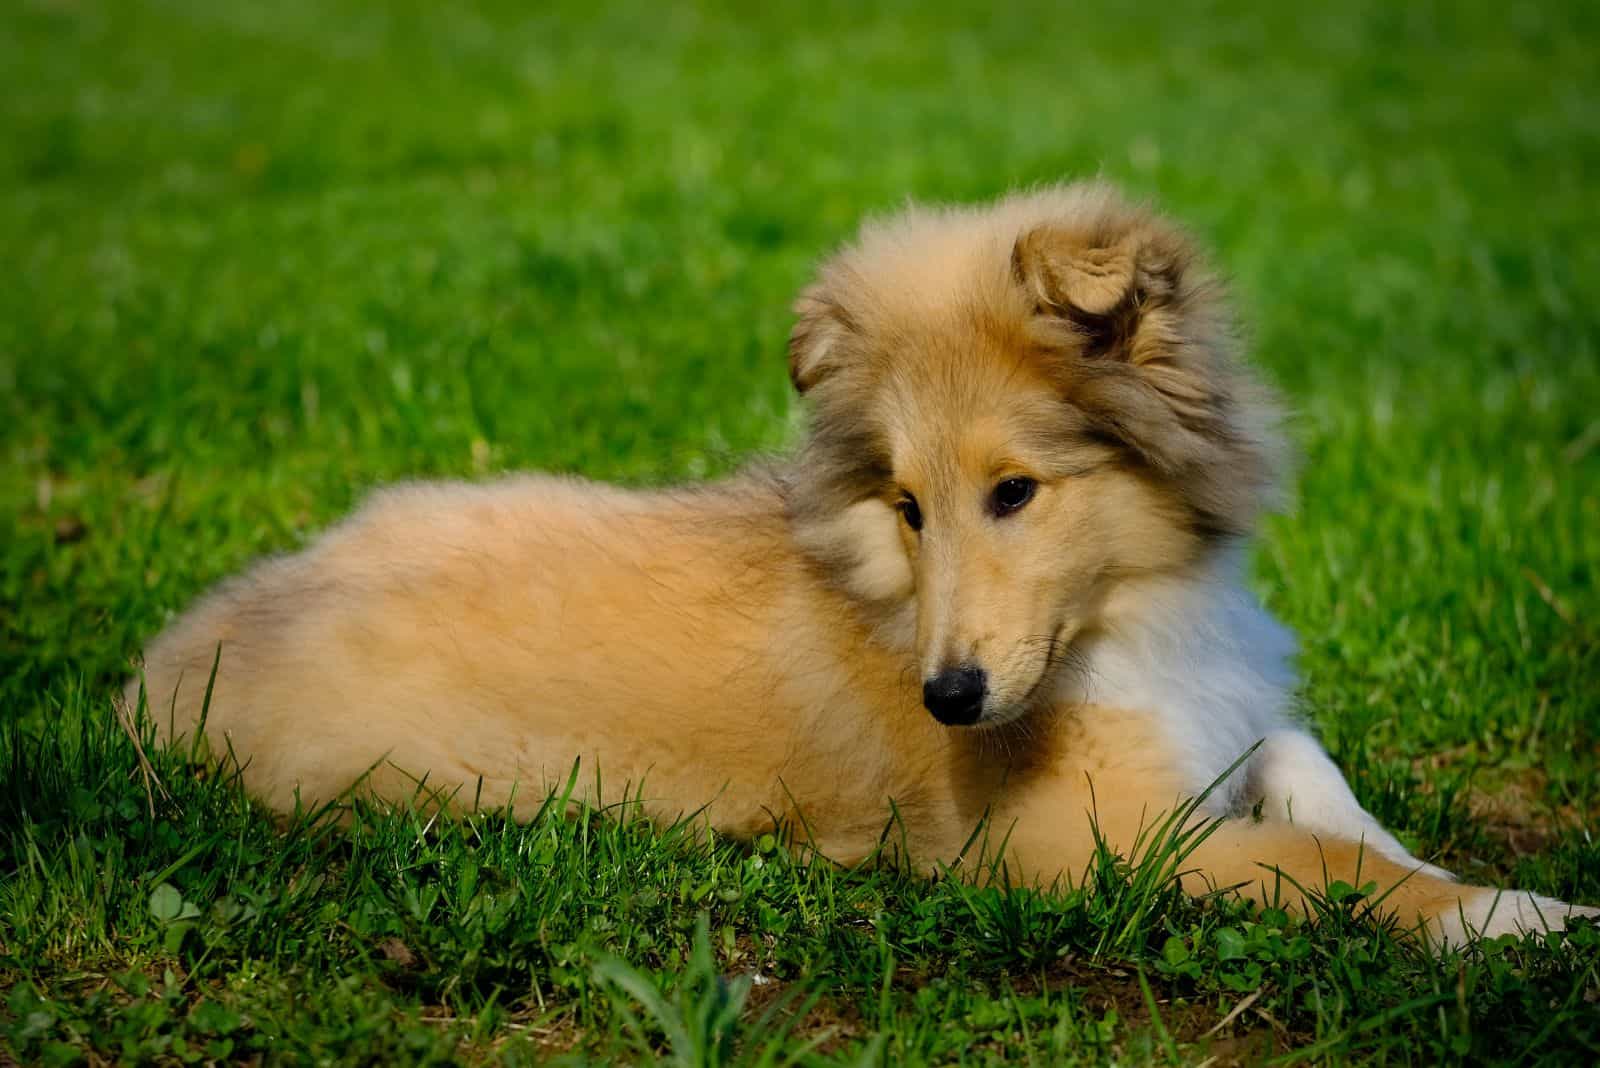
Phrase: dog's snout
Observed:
(955, 695)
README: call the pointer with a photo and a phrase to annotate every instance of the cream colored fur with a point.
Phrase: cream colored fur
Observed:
(755, 648)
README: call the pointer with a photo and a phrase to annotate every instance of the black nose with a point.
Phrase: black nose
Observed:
(955, 695)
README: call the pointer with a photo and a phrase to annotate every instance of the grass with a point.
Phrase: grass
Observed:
(263, 258)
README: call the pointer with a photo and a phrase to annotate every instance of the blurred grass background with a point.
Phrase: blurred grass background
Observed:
(263, 257)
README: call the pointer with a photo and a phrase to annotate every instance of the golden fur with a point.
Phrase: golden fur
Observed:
(758, 647)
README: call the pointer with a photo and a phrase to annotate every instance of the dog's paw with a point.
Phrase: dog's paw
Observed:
(1491, 913)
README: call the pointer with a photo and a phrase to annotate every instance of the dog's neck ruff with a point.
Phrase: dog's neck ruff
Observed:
(1203, 655)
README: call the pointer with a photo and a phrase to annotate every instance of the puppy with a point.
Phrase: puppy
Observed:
(1000, 580)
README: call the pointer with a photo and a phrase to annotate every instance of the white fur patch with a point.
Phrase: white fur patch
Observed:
(1205, 656)
(1208, 659)
(1490, 913)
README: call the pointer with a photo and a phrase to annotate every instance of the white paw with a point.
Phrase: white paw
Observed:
(1490, 913)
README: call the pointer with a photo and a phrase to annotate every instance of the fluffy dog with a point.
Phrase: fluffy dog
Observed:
(999, 580)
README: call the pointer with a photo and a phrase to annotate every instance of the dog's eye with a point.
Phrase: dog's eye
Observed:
(910, 512)
(1011, 495)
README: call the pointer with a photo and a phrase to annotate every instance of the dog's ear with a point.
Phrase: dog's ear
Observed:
(1124, 295)
(1122, 289)
(1141, 340)
(820, 327)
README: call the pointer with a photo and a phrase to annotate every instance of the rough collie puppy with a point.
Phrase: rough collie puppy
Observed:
(1000, 580)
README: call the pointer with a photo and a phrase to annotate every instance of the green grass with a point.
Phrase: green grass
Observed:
(264, 257)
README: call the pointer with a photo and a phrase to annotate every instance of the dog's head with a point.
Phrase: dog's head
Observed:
(1013, 409)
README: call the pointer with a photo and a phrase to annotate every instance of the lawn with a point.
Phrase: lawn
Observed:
(264, 257)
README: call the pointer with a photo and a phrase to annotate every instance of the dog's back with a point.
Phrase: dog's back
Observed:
(497, 631)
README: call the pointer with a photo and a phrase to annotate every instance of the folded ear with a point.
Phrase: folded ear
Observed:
(1141, 339)
(818, 332)
(1124, 289)
(1119, 285)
